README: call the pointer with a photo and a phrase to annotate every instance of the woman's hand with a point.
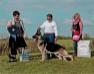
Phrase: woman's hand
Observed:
(74, 31)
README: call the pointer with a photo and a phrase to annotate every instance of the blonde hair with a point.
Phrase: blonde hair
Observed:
(77, 15)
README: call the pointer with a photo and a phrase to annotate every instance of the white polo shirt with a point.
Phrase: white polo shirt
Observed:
(49, 27)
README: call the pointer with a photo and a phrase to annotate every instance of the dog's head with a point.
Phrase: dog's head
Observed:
(37, 35)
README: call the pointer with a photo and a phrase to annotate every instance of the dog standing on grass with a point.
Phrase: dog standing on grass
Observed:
(57, 49)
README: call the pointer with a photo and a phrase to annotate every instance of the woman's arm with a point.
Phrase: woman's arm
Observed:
(72, 25)
(81, 27)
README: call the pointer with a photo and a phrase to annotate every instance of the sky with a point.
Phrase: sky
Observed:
(33, 13)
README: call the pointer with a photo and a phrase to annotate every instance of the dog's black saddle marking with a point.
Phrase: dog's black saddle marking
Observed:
(52, 47)
(41, 43)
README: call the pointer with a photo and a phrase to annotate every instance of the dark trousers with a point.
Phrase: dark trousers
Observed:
(49, 38)
(13, 48)
(14, 44)
(75, 44)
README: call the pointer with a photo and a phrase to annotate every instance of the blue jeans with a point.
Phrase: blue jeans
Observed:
(49, 38)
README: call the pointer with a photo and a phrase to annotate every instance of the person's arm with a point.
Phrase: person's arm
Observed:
(23, 28)
(56, 33)
(72, 26)
(72, 29)
(42, 26)
(10, 27)
(81, 27)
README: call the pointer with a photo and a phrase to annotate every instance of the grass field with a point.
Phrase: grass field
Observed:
(53, 66)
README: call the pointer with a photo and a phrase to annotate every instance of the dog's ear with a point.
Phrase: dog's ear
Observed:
(33, 36)
(38, 31)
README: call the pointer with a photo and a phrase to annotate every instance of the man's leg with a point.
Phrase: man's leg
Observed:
(52, 40)
(46, 40)
(13, 51)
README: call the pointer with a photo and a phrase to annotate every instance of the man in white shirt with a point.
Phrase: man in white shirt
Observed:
(50, 30)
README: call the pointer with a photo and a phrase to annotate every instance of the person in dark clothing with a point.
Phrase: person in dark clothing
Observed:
(16, 30)
(77, 28)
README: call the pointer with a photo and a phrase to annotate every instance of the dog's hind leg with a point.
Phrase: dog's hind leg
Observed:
(71, 57)
(57, 55)
(65, 55)
(68, 58)
(60, 57)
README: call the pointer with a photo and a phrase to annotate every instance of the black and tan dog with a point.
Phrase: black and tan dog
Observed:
(57, 49)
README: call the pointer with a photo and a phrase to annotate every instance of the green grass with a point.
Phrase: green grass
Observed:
(53, 66)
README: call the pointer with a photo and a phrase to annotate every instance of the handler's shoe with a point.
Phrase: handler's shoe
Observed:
(12, 58)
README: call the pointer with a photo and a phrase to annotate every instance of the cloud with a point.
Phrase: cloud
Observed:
(85, 22)
(3, 22)
(39, 6)
(67, 21)
(93, 16)
(26, 21)
(60, 1)
(70, 1)
(15, 4)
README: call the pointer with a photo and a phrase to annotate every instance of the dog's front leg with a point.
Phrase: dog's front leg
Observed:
(43, 55)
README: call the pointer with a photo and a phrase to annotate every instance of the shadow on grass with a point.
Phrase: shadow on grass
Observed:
(92, 53)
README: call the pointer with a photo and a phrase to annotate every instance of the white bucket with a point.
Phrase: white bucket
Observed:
(24, 56)
(84, 48)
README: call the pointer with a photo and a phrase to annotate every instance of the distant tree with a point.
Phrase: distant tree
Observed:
(86, 36)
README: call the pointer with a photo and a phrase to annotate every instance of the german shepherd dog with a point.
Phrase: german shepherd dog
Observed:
(57, 49)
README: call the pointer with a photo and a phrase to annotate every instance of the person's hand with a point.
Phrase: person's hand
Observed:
(56, 40)
(73, 31)
(9, 24)
(80, 33)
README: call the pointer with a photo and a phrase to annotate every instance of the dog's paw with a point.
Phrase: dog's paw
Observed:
(60, 59)
(41, 61)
